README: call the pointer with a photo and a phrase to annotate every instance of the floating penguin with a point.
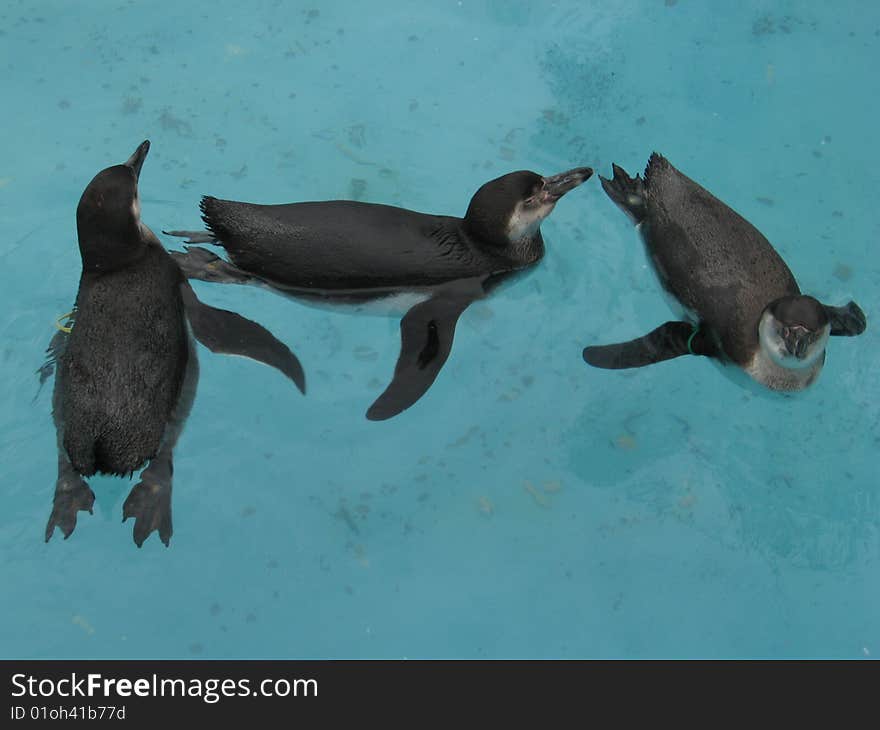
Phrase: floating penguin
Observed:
(343, 251)
(740, 302)
(126, 366)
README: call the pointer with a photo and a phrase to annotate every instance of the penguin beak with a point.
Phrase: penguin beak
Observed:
(558, 185)
(136, 161)
(797, 339)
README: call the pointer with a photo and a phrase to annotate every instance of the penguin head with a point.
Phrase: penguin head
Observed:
(108, 217)
(794, 331)
(507, 212)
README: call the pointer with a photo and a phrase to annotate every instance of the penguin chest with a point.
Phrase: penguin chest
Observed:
(762, 369)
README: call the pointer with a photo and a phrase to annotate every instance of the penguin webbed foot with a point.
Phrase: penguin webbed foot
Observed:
(200, 263)
(668, 341)
(627, 192)
(847, 321)
(149, 502)
(193, 236)
(72, 495)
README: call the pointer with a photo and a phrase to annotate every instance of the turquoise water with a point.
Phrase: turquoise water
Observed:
(527, 506)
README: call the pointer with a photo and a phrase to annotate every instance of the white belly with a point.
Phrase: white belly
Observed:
(393, 303)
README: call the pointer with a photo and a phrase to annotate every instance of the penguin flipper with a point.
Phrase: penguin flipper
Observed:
(426, 334)
(199, 263)
(668, 341)
(56, 347)
(847, 321)
(226, 332)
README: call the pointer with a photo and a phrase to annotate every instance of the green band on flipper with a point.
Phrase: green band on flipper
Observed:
(63, 328)
(691, 339)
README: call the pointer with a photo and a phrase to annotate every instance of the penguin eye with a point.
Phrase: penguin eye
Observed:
(534, 194)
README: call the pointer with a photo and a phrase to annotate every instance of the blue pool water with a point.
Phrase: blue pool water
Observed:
(527, 506)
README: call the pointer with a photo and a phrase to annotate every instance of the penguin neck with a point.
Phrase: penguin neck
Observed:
(105, 253)
(765, 370)
(527, 250)
(515, 254)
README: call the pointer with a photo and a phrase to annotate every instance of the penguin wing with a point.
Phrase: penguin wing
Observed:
(846, 321)
(426, 334)
(56, 348)
(223, 331)
(669, 340)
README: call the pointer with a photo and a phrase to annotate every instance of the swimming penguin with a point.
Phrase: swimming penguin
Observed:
(126, 368)
(740, 302)
(342, 251)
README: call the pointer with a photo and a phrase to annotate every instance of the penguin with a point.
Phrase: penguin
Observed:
(126, 368)
(739, 302)
(343, 251)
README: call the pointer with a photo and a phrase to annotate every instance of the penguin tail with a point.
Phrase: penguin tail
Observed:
(627, 192)
(212, 216)
(657, 165)
(80, 449)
